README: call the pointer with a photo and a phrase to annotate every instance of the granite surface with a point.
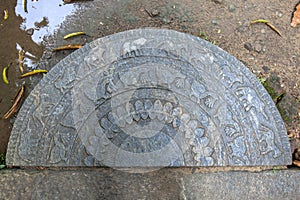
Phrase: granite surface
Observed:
(149, 98)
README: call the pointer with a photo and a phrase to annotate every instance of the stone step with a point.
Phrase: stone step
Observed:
(175, 183)
(149, 98)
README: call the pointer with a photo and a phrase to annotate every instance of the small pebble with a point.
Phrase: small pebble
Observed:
(218, 1)
(231, 8)
(248, 46)
(279, 14)
(166, 20)
(214, 22)
(258, 47)
(242, 29)
(30, 31)
(266, 69)
(154, 12)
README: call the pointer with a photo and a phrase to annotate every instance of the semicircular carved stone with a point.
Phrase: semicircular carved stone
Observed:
(149, 98)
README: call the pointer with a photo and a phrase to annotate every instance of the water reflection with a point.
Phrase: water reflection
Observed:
(24, 32)
(43, 16)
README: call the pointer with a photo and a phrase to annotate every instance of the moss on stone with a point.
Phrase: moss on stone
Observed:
(270, 90)
(2, 159)
(287, 106)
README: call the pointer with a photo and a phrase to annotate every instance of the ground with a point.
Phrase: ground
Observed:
(226, 23)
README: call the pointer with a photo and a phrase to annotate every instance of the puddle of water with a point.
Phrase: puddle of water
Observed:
(24, 31)
(43, 16)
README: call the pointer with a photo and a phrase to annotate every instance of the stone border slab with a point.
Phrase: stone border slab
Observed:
(162, 184)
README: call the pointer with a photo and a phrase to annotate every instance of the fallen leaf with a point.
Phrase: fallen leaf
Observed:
(274, 29)
(296, 16)
(25, 6)
(67, 47)
(15, 105)
(5, 14)
(279, 98)
(259, 21)
(4, 75)
(297, 163)
(33, 72)
(267, 23)
(74, 34)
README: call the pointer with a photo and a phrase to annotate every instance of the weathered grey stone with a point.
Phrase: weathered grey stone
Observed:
(166, 183)
(149, 98)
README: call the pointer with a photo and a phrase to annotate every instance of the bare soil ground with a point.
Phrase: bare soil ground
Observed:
(274, 59)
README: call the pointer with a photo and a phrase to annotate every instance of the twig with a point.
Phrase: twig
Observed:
(149, 13)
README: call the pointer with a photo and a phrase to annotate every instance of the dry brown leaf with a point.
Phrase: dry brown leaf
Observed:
(296, 17)
(15, 106)
(297, 163)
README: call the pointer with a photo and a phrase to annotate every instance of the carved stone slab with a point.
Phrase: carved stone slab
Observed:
(149, 98)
